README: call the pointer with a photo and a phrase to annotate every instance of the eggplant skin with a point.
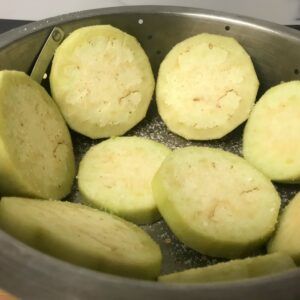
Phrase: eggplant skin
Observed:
(102, 80)
(82, 235)
(237, 269)
(271, 140)
(286, 239)
(215, 202)
(206, 87)
(116, 176)
(36, 153)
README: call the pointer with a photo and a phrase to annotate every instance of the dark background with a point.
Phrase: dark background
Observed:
(10, 24)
